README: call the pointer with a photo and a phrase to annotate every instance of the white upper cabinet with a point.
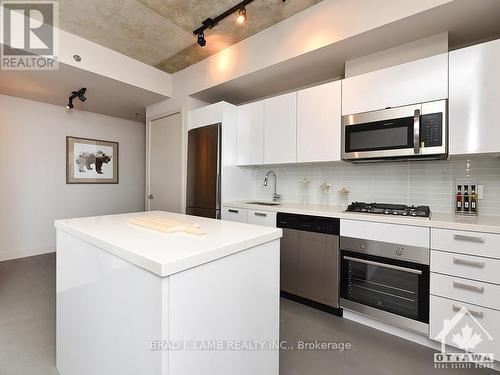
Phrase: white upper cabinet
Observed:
(280, 129)
(418, 81)
(208, 115)
(318, 123)
(474, 103)
(251, 133)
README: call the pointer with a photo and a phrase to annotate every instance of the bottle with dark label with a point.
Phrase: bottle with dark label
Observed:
(459, 198)
(473, 199)
(466, 199)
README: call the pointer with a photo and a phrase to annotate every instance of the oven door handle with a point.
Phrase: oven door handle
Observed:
(390, 266)
(416, 132)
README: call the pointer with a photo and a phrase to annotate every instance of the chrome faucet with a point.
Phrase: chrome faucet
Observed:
(276, 197)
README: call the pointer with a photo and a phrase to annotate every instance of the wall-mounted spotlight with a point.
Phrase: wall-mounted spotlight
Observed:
(80, 94)
(211, 22)
(242, 16)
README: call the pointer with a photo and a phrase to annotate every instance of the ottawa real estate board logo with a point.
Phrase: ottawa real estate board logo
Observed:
(466, 332)
(29, 35)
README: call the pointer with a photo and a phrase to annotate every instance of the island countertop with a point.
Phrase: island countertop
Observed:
(167, 253)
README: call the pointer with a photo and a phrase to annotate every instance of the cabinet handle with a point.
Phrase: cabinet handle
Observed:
(460, 237)
(472, 288)
(466, 262)
(260, 214)
(233, 211)
(477, 314)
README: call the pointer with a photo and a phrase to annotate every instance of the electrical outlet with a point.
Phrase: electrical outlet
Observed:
(480, 192)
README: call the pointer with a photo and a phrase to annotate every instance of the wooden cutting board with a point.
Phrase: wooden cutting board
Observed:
(166, 225)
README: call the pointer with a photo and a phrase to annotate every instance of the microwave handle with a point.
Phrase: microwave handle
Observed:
(416, 132)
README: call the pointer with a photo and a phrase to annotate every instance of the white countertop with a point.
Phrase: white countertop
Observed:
(487, 224)
(165, 254)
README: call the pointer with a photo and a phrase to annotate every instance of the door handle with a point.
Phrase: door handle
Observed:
(383, 265)
(416, 132)
(472, 288)
(477, 314)
(151, 196)
(466, 262)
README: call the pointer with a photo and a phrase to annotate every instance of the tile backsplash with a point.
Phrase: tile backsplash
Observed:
(418, 182)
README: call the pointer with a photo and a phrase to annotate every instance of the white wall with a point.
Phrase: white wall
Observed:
(33, 190)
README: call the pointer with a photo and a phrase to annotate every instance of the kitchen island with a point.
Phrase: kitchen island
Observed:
(132, 300)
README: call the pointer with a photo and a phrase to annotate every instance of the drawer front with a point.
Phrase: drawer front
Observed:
(443, 308)
(264, 218)
(234, 214)
(471, 243)
(470, 267)
(393, 233)
(470, 291)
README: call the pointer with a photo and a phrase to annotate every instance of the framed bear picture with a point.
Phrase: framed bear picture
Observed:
(91, 161)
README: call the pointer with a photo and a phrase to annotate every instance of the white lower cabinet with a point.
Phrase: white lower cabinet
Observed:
(471, 291)
(443, 309)
(243, 215)
(465, 272)
(467, 266)
(264, 218)
(235, 214)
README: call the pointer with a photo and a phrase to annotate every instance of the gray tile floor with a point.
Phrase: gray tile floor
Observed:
(27, 333)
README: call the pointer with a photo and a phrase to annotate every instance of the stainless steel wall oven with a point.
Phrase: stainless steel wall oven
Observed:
(389, 282)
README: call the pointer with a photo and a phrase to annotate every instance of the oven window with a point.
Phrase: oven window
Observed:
(382, 135)
(398, 291)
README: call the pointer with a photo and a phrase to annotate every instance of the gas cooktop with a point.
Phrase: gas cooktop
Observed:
(390, 209)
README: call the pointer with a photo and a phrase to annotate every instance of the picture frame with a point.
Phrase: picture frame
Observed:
(91, 161)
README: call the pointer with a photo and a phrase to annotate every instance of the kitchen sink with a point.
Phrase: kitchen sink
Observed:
(264, 203)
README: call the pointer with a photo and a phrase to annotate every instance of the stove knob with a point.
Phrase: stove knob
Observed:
(413, 213)
(395, 212)
(405, 213)
(387, 211)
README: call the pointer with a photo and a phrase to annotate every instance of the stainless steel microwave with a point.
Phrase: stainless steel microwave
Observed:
(418, 131)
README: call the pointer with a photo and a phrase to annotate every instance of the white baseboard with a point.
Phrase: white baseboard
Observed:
(10, 255)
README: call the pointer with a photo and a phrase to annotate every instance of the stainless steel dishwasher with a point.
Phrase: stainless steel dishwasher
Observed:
(309, 265)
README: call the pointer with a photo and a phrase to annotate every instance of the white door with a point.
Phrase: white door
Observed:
(251, 133)
(318, 123)
(165, 164)
(280, 129)
(474, 92)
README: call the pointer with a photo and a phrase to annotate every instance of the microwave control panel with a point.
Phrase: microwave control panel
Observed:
(431, 130)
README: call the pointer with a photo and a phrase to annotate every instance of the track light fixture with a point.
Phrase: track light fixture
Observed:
(242, 16)
(80, 94)
(211, 22)
(201, 39)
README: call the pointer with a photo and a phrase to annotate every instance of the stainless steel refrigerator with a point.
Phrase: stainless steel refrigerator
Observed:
(204, 172)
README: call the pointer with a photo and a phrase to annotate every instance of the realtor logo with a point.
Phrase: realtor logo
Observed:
(29, 38)
(465, 332)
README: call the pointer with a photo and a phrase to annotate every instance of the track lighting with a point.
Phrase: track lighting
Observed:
(242, 16)
(80, 94)
(201, 39)
(211, 22)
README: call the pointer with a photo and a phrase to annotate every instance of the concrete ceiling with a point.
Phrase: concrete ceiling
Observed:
(159, 32)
